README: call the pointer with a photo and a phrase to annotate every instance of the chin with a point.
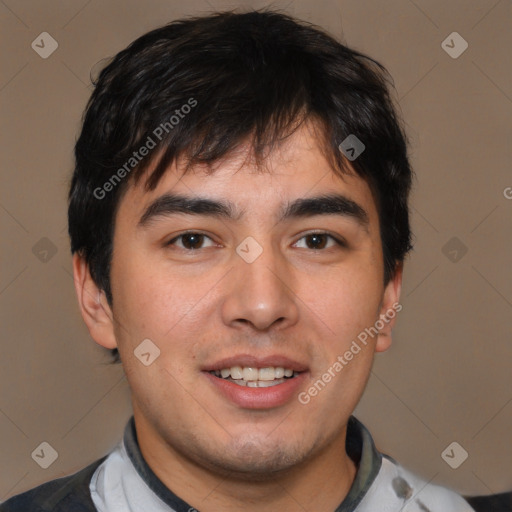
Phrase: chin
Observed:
(261, 460)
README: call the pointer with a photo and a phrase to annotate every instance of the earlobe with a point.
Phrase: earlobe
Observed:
(94, 307)
(389, 310)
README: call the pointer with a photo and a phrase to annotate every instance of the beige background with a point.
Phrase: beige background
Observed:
(446, 378)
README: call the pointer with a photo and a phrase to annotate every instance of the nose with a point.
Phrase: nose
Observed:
(261, 293)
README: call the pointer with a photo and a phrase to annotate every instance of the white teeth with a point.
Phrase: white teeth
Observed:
(279, 372)
(255, 377)
(236, 372)
(249, 373)
(257, 383)
(268, 384)
(266, 374)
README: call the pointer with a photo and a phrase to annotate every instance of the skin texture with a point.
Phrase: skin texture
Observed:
(200, 307)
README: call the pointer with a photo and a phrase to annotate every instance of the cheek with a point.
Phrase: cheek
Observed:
(155, 308)
(145, 302)
(348, 302)
(151, 301)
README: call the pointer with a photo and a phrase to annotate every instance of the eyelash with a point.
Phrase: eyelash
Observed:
(340, 242)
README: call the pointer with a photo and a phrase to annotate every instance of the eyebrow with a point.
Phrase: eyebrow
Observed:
(326, 204)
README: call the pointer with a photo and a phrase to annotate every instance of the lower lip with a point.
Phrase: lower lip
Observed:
(258, 398)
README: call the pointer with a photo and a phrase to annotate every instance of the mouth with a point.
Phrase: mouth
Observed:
(252, 377)
(253, 382)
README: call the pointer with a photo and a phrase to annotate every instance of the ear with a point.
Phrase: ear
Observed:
(389, 309)
(94, 306)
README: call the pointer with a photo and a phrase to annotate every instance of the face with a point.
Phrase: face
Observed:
(251, 294)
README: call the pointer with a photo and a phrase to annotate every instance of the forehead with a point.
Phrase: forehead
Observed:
(297, 168)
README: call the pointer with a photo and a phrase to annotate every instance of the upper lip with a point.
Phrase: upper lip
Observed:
(248, 360)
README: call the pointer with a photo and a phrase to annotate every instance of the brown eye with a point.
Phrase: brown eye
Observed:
(318, 241)
(190, 241)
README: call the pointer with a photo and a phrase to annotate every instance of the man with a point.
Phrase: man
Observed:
(239, 221)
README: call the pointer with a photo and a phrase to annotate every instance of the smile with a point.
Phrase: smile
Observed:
(252, 377)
